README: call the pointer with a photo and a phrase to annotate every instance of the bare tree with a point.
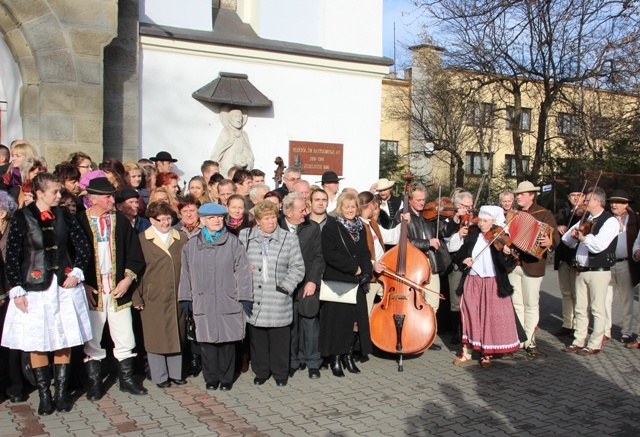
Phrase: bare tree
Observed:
(548, 44)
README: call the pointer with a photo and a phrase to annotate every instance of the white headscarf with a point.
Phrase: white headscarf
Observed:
(492, 212)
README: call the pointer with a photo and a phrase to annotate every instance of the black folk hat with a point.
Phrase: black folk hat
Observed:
(125, 194)
(620, 196)
(330, 176)
(309, 306)
(576, 187)
(100, 186)
(163, 156)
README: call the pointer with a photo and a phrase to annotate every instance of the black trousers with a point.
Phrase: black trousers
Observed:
(304, 340)
(270, 351)
(218, 361)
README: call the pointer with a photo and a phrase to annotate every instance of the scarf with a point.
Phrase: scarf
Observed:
(209, 237)
(234, 223)
(353, 227)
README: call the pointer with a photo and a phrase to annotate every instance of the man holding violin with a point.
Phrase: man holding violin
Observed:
(527, 277)
(595, 254)
(563, 261)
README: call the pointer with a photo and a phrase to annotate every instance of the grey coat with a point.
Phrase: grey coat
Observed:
(216, 277)
(285, 268)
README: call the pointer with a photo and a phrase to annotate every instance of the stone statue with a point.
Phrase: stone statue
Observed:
(232, 147)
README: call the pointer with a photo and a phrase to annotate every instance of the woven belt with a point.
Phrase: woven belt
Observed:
(592, 269)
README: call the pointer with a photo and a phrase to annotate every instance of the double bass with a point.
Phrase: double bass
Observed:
(403, 322)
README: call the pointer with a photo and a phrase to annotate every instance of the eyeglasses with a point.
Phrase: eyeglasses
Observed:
(163, 219)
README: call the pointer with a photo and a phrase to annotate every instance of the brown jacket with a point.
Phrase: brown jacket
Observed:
(163, 322)
(531, 265)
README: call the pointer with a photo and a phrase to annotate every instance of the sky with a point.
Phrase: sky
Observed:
(408, 22)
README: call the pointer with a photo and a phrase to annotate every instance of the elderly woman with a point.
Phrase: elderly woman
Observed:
(190, 222)
(238, 218)
(163, 323)
(346, 253)
(277, 267)
(47, 252)
(488, 318)
(215, 287)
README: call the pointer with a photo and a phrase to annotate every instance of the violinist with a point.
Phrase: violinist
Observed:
(422, 234)
(624, 275)
(462, 200)
(527, 277)
(488, 319)
(595, 254)
(563, 261)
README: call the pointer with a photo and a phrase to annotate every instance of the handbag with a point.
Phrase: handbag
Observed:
(337, 291)
(191, 328)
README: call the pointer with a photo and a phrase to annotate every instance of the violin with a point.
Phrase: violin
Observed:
(499, 238)
(586, 227)
(443, 207)
(469, 220)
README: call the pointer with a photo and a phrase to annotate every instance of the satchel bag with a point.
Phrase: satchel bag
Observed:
(337, 291)
(191, 328)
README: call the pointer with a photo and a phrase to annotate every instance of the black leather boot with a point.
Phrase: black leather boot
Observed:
(94, 373)
(336, 366)
(42, 376)
(349, 364)
(127, 382)
(457, 328)
(61, 397)
(195, 366)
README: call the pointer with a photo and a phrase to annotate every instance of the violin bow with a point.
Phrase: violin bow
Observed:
(586, 201)
(438, 211)
(475, 202)
(575, 208)
(391, 273)
(505, 227)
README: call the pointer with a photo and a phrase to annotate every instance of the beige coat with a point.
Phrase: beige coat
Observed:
(163, 323)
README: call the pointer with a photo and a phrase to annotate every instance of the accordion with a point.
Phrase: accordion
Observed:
(525, 232)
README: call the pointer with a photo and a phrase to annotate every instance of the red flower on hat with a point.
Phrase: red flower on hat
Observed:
(37, 274)
(67, 271)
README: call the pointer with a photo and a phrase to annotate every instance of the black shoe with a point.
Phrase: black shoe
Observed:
(125, 375)
(325, 364)
(564, 332)
(533, 350)
(226, 386)
(94, 373)
(435, 347)
(178, 381)
(213, 385)
(302, 366)
(336, 366)
(292, 372)
(259, 381)
(16, 399)
(61, 398)
(165, 384)
(347, 363)
(314, 373)
(281, 382)
(195, 366)
(42, 376)
(363, 359)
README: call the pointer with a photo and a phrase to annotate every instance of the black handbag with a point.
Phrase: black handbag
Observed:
(191, 328)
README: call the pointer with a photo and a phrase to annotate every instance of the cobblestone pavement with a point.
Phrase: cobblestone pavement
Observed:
(559, 394)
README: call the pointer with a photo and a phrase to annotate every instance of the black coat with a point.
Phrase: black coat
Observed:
(337, 319)
(128, 257)
(501, 262)
(310, 238)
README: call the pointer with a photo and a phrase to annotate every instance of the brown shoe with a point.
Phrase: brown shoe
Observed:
(633, 345)
(460, 360)
(572, 349)
(587, 351)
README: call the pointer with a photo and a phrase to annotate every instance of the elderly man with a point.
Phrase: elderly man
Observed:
(303, 187)
(164, 161)
(331, 185)
(595, 254)
(624, 273)
(565, 257)
(305, 328)
(289, 177)
(117, 262)
(128, 202)
(527, 277)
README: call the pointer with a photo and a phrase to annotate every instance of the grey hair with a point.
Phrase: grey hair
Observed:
(289, 200)
(460, 196)
(289, 170)
(599, 194)
(253, 192)
(506, 193)
(7, 203)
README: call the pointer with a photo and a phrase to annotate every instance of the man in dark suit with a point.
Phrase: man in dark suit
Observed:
(305, 327)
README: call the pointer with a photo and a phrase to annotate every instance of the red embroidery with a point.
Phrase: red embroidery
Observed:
(37, 274)
(67, 271)
(46, 215)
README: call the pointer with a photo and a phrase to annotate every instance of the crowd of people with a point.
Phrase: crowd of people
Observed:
(227, 274)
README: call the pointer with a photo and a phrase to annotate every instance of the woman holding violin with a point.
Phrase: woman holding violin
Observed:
(488, 318)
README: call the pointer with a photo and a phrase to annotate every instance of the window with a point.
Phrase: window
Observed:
(525, 118)
(510, 165)
(475, 165)
(567, 124)
(480, 115)
(601, 127)
(387, 146)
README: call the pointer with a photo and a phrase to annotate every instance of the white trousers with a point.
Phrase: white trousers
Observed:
(120, 328)
(591, 294)
(526, 302)
(622, 284)
(433, 299)
(567, 283)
